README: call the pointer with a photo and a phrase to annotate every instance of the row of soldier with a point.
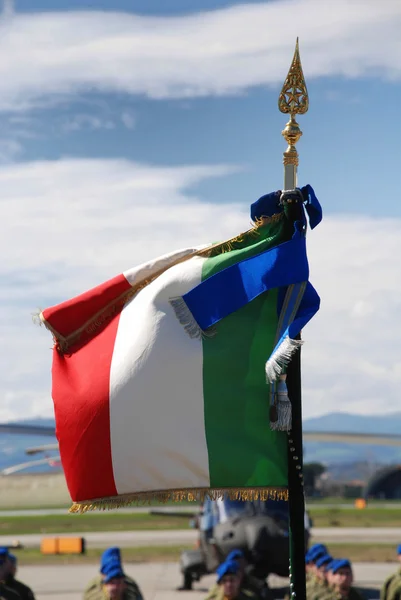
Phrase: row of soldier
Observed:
(233, 581)
(326, 579)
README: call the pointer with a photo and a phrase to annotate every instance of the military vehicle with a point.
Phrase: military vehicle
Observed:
(260, 529)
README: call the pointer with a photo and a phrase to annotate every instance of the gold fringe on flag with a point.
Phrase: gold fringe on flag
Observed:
(229, 245)
(189, 495)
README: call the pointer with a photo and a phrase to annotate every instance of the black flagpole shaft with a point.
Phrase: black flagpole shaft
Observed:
(294, 100)
(295, 483)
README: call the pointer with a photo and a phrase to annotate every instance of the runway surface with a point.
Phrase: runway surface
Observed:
(131, 539)
(158, 581)
(43, 512)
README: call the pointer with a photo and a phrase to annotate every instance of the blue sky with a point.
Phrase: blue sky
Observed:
(359, 151)
(128, 128)
(139, 7)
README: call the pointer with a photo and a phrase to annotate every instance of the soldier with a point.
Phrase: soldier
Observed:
(313, 554)
(5, 592)
(391, 589)
(321, 568)
(342, 578)
(229, 583)
(114, 584)
(94, 589)
(248, 583)
(394, 591)
(329, 573)
(23, 590)
(321, 586)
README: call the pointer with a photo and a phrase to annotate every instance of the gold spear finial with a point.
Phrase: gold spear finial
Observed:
(293, 100)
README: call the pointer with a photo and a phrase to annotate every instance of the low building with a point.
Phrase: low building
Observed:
(385, 484)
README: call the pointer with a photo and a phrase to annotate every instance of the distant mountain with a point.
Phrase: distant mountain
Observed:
(13, 446)
(340, 453)
(41, 421)
(346, 423)
(330, 453)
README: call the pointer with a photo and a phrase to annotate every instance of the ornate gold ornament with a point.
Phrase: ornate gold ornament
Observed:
(293, 100)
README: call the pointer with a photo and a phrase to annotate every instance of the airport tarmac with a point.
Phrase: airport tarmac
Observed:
(43, 512)
(159, 581)
(158, 537)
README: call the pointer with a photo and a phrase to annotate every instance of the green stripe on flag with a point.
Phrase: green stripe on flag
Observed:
(243, 451)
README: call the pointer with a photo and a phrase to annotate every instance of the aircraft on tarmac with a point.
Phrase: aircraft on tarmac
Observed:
(260, 529)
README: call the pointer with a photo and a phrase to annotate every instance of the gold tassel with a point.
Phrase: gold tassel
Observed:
(189, 495)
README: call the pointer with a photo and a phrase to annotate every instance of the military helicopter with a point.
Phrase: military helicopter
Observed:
(259, 528)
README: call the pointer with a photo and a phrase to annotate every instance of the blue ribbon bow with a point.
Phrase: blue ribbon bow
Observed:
(270, 205)
(232, 288)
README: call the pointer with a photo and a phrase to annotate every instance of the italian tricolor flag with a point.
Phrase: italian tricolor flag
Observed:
(145, 410)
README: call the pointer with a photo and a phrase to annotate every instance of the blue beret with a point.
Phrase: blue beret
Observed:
(3, 555)
(235, 555)
(399, 549)
(109, 554)
(330, 565)
(318, 547)
(12, 558)
(341, 563)
(112, 570)
(314, 553)
(323, 560)
(230, 567)
(267, 206)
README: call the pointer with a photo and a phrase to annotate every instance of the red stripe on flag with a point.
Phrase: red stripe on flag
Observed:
(81, 384)
(73, 314)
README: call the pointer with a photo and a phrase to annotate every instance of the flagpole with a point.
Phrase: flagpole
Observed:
(294, 100)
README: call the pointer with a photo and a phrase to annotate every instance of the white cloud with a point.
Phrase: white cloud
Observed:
(70, 224)
(209, 53)
(353, 346)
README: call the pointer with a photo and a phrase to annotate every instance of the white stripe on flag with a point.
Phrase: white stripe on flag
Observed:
(150, 268)
(156, 391)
